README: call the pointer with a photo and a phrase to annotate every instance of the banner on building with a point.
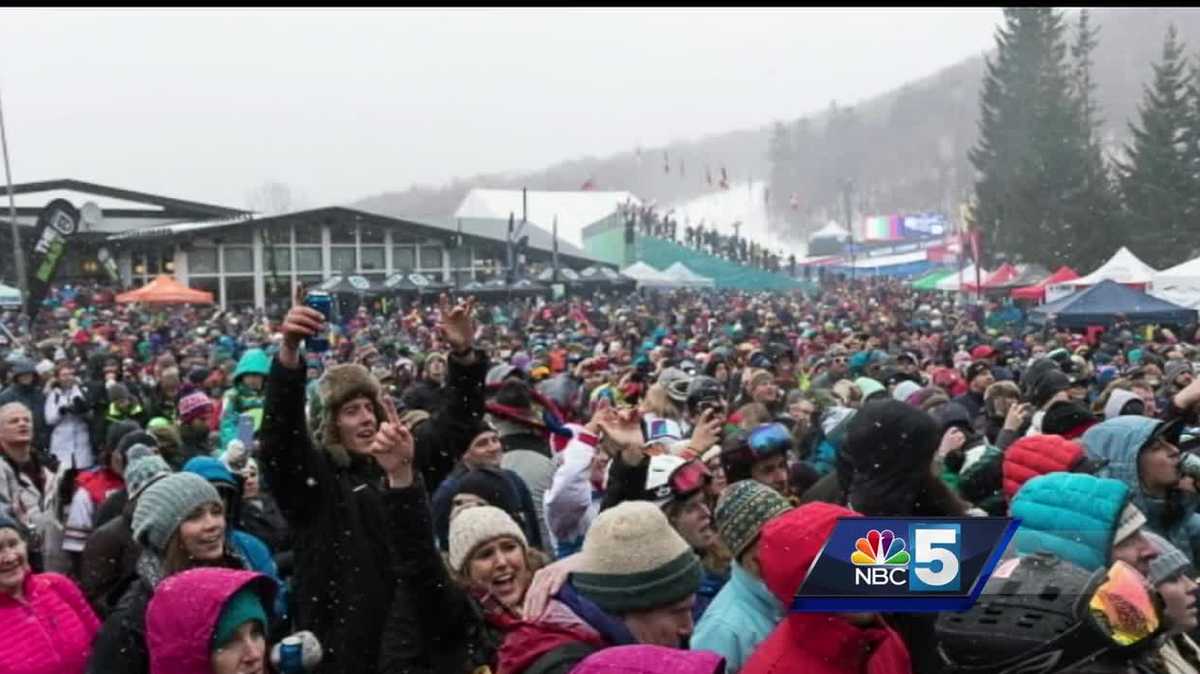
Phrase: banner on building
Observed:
(109, 263)
(56, 222)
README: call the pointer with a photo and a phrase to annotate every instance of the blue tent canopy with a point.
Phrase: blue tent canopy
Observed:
(1102, 303)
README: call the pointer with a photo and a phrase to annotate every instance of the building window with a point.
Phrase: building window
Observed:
(369, 235)
(342, 260)
(239, 260)
(282, 256)
(310, 234)
(404, 258)
(239, 291)
(238, 234)
(211, 284)
(460, 258)
(309, 259)
(341, 234)
(202, 261)
(373, 258)
(431, 257)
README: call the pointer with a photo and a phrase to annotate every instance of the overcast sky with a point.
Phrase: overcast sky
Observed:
(340, 104)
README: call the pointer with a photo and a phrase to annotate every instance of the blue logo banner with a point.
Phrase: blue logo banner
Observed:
(904, 564)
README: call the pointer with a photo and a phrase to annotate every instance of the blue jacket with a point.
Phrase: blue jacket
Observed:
(1071, 515)
(710, 586)
(740, 618)
(1119, 441)
(250, 546)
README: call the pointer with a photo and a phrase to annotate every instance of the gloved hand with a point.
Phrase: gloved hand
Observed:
(310, 653)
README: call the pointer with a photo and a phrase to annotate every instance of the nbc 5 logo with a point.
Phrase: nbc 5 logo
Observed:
(882, 558)
(935, 565)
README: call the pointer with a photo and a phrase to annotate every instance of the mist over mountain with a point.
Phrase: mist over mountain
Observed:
(905, 150)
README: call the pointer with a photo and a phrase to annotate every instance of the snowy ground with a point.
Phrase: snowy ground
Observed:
(741, 202)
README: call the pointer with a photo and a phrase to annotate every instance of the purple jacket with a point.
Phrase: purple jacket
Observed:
(183, 615)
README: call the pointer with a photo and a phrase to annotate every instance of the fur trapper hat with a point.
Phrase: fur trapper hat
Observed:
(340, 385)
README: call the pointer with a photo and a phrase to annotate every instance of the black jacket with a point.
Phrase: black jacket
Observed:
(120, 645)
(434, 624)
(108, 563)
(343, 580)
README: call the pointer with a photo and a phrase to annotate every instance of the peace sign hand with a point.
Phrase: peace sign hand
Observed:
(393, 448)
(457, 325)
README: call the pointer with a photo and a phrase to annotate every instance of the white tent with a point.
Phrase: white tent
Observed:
(9, 296)
(953, 282)
(1122, 267)
(1179, 284)
(831, 231)
(574, 210)
(648, 277)
(686, 277)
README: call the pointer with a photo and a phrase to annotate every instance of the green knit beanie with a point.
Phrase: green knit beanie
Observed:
(240, 609)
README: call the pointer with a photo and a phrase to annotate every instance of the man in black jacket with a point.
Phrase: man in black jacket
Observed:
(332, 494)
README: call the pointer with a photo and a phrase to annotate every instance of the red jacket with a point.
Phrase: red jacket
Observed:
(1037, 455)
(816, 643)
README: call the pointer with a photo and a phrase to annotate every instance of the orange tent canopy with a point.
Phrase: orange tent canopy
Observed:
(166, 290)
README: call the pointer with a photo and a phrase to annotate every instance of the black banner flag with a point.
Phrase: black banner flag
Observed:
(56, 222)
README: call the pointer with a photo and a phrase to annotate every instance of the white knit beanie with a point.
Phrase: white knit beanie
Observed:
(633, 560)
(473, 527)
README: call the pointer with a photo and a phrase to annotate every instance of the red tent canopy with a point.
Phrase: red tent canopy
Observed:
(1037, 291)
(1003, 275)
(166, 290)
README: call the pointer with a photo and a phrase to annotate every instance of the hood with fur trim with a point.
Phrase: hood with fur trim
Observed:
(339, 385)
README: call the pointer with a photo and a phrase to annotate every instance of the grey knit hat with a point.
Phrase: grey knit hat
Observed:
(141, 470)
(1169, 562)
(166, 504)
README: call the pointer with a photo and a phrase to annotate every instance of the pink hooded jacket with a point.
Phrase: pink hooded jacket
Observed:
(183, 615)
(643, 659)
(48, 631)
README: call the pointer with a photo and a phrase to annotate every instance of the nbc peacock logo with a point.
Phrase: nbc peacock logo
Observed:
(879, 548)
(879, 558)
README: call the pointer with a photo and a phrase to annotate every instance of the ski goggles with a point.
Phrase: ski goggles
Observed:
(769, 439)
(689, 478)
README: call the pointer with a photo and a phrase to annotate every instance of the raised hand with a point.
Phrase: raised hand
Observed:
(301, 322)
(393, 447)
(457, 325)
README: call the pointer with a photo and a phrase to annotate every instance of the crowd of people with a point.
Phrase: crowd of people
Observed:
(618, 483)
(646, 221)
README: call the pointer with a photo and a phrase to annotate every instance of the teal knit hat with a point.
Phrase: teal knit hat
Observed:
(743, 510)
(240, 609)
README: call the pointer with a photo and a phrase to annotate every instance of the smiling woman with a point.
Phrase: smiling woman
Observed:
(29, 602)
(179, 521)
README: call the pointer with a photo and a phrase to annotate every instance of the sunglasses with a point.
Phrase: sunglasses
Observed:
(689, 478)
(769, 439)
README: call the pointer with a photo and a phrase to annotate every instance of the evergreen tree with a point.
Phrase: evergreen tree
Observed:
(1157, 179)
(1009, 204)
(1092, 213)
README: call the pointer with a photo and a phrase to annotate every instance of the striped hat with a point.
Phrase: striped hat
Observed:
(743, 510)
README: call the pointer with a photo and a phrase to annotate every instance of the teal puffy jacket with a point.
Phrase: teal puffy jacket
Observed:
(1071, 515)
(1119, 441)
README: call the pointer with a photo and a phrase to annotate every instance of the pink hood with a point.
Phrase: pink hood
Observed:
(643, 659)
(183, 615)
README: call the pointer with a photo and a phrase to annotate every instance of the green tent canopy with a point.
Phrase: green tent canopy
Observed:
(930, 280)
